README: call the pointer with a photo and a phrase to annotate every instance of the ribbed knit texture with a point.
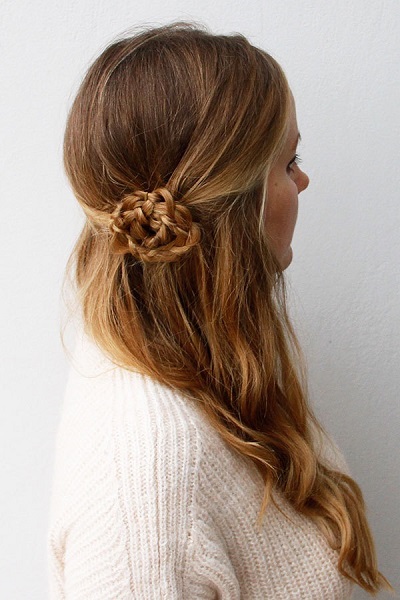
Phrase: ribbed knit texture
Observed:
(150, 503)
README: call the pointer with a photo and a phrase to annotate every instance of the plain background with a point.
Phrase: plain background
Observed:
(342, 60)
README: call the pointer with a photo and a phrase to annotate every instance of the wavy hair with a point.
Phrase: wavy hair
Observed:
(168, 146)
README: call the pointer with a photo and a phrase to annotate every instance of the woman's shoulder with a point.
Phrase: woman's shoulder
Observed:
(142, 429)
(103, 400)
(94, 374)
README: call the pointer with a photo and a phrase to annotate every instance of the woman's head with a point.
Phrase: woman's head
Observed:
(180, 147)
(202, 117)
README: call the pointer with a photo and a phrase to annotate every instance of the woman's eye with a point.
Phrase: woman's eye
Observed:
(295, 161)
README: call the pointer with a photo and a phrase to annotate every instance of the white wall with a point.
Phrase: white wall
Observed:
(342, 61)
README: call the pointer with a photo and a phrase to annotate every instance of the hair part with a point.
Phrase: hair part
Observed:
(174, 270)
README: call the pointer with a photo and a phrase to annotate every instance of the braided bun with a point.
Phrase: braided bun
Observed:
(152, 227)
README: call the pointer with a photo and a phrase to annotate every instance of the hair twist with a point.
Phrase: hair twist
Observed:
(152, 227)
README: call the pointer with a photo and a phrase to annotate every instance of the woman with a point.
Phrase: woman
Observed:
(189, 463)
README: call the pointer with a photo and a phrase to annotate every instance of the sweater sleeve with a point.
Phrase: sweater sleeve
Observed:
(122, 516)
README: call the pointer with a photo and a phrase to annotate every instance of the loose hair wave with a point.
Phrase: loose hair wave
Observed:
(168, 147)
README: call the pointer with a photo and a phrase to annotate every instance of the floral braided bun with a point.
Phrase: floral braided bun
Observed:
(152, 226)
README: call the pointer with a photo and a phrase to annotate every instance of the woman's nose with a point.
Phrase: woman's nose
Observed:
(303, 181)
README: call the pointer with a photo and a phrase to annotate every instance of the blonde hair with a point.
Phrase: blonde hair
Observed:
(167, 147)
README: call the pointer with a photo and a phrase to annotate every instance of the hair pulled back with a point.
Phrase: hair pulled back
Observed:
(168, 146)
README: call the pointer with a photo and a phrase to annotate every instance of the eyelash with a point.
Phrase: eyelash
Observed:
(295, 161)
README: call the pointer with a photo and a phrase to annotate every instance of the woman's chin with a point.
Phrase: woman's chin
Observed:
(286, 259)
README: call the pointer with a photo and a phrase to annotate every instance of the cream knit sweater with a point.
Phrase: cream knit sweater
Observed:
(149, 502)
